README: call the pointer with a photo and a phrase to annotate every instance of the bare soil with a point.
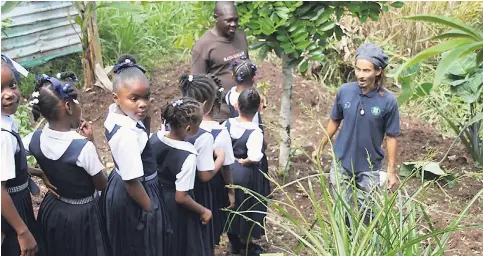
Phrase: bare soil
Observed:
(311, 105)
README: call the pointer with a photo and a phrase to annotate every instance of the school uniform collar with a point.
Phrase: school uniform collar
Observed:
(122, 120)
(370, 94)
(178, 144)
(244, 125)
(65, 136)
(9, 123)
(210, 125)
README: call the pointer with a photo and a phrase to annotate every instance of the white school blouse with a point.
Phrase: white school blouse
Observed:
(127, 144)
(9, 147)
(222, 141)
(185, 179)
(53, 145)
(204, 146)
(254, 142)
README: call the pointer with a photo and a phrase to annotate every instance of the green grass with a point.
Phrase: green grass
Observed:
(402, 224)
(150, 34)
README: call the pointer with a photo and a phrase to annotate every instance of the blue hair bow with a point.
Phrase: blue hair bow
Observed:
(121, 66)
(62, 90)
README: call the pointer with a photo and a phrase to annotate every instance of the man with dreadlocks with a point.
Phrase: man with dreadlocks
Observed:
(370, 113)
(218, 47)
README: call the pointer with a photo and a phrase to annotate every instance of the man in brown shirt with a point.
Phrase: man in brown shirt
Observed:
(218, 48)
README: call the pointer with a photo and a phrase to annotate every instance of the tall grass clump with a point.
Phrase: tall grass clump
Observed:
(401, 224)
(408, 36)
(149, 32)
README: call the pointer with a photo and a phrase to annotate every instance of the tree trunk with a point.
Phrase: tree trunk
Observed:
(285, 115)
(91, 48)
(94, 41)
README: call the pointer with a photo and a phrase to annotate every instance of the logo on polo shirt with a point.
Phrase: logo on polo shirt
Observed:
(347, 105)
(376, 110)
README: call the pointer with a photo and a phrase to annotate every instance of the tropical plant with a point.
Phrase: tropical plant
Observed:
(460, 67)
(297, 32)
(91, 49)
(401, 224)
(202, 21)
(158, 32)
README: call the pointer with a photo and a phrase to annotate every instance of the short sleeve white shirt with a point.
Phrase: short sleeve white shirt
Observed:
(222, 141)
(255, 140)
(126, 144)
(9, 147)
(185, 179)
(204, 147)
(53, 145)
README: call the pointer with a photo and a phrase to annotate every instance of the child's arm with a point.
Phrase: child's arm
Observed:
(254, 146)
(100, 180)
(126, 152)
(28, 245)
(206, 176)
(247, 161)
(185, 180)
(187, 202)
(207, 168)
(137, 192)
(41, 174)
(226, 172)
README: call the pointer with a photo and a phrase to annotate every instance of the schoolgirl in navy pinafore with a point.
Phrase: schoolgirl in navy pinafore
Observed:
(203, 195)
(132, 230)
(222, 140)
(70, 225)
(264, 162)
(248, 176)
(176, 165)
(18, 189)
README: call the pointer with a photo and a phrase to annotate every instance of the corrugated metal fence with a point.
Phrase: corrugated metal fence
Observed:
(40, 31)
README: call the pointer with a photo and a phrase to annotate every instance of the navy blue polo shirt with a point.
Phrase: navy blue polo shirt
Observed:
(361, 136)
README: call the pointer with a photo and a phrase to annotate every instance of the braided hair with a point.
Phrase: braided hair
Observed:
(243, 70)
(249, 102)
(219, 94)
(127, 70)
(47, 94)
(182, 112)
(200, 87)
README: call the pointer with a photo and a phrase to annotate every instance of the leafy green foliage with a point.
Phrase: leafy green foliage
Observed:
(401, 224)
(160, 31)
(195, 27)
(461, 68)
(299, 29)
(23, 116)
(70, 62)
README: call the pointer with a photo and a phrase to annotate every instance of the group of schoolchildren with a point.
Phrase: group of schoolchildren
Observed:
(172, 191)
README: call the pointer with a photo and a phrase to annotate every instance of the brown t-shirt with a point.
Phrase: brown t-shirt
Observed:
(214, 54)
